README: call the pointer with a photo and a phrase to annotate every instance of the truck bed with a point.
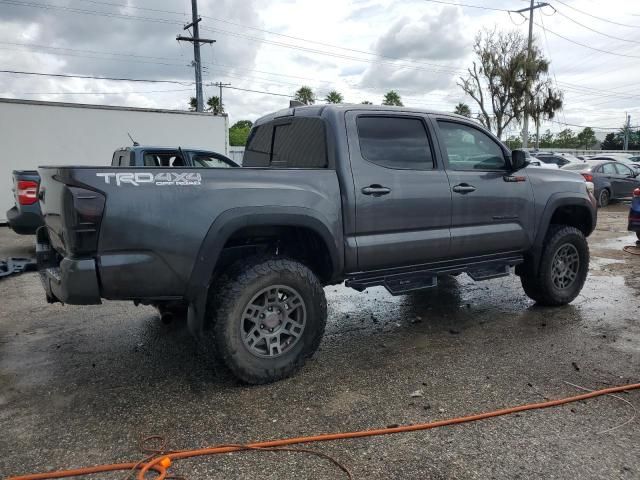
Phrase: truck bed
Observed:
(157, 224)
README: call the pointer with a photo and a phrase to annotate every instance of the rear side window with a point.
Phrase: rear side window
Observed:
(294, 143)
(395, 142)
(609, 169)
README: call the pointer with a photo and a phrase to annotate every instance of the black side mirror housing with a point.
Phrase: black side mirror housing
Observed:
(518, 160)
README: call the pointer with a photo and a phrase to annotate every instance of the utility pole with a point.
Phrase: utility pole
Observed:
(196, 40)
(221, 85)
(627, 128)
(525, 126)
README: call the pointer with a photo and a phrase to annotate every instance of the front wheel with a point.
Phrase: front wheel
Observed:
(563, 268)
(270, 318)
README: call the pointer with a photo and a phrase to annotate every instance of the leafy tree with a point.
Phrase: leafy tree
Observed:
(392, 98)
(566, 139)
(544, 102)
(611, 142)
(498, 80)
(463, 109)
(334, 97)
(239, 132)
(366, 102)
(546, 141)
(305, 95)
(587, 138)
(513, 142)
(193, 104)
(214, 105)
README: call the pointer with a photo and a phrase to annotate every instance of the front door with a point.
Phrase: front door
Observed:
(403, 199)
(626, 182)
(492, 208)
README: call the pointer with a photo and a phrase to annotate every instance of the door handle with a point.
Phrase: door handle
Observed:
(464, 188)
(376, 190)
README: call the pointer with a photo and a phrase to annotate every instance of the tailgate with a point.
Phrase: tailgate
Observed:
(72, 211)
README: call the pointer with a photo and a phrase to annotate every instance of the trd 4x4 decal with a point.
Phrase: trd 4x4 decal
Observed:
(140, 178)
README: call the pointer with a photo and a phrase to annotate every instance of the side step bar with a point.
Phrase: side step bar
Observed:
(426, 276)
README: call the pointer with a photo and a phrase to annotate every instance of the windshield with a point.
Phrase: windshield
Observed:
(575, 166)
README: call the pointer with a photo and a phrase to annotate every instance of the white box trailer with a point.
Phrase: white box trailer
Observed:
(34, 133)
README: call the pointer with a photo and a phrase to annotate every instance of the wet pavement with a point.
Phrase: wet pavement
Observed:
(80, 385)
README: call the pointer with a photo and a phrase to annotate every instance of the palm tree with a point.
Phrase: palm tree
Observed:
(392, 98)
(215, 106)
(334, 97)
(305, 95)
(463, 109)
(193, 104)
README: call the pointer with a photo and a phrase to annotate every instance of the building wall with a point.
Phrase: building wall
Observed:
(50, 133)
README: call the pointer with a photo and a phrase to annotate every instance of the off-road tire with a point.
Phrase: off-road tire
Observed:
(604, 198)
(234, 291)
(540, 286)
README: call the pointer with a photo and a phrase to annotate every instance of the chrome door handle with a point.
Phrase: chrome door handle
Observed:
(464, 188)
(376, 190)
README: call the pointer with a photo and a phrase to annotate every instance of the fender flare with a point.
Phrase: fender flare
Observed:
(557, 200)
(231, 221)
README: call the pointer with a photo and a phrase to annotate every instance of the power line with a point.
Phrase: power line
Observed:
(587, 46)
(596, 17)
(596, 31)
(259, 91)
(469, 6)
(119, 79)
(102, 93)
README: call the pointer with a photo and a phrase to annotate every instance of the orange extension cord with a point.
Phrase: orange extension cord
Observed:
(162, 462)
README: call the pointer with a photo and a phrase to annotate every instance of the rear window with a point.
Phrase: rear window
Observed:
(162, 159)
(395, 142)
(294, 143)
(575, 166)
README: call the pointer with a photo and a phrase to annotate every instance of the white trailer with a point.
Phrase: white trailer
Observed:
(34, 133)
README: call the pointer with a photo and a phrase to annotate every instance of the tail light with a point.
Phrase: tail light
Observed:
(27, 192)
(636, 192)
(588, 177)
(83, 215)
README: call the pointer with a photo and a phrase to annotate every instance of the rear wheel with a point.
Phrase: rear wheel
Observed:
(604, 198)
(563, 268)
(269, 320)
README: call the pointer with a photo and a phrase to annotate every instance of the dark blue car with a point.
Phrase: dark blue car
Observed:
(634, 213)
(611, 180)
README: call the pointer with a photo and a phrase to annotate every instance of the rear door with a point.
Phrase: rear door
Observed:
(403, 199)
(627, 180)
(611, 175)
(492, 207)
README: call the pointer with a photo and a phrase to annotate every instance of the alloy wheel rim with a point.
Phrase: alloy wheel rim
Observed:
(273, 321)
(565, 266)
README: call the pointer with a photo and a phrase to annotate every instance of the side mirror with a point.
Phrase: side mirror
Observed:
(518, 159)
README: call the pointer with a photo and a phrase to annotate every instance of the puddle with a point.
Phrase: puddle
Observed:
(618, 242)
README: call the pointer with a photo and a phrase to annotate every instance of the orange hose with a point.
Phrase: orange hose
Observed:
(153, 464)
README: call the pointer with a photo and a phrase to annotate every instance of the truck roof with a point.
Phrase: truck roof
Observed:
(319, 110)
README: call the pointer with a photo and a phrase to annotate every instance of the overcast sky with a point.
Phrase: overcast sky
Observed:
(361, 48)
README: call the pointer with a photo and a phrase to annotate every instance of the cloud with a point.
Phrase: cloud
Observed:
(424, 40)
(119, 42)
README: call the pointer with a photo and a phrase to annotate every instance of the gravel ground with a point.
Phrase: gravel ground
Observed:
(80, 385)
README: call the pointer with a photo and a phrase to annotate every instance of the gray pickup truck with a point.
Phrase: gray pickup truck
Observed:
(367, 195)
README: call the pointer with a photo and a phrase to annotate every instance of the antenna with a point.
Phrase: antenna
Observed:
(135, 144)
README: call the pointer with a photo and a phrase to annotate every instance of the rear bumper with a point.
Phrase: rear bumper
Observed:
(24, 222)
(66, 280)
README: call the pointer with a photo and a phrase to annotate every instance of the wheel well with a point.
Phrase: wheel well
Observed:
(299, 243)
(573, 216)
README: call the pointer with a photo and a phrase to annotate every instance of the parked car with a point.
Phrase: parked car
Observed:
(634, 213)
(534, 162)
(329, 193)
(612, 180)
(618, 157)
(559, 159)
(24, 218)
